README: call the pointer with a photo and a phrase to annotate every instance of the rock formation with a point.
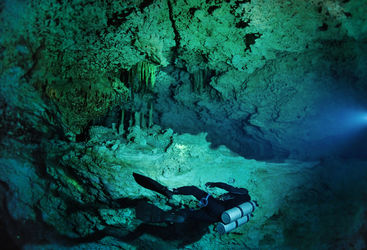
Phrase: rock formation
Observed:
(266, 95)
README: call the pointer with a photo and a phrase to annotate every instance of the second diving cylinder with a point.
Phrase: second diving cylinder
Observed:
(235, 213)
(226, 228)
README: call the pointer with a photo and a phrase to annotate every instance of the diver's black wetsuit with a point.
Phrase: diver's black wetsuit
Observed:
(212, 209)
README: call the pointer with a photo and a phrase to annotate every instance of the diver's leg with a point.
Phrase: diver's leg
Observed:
(190, 190)
(152, 185)
(150, 213)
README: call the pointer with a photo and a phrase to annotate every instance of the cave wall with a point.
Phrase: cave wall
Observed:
(266, 72)
(261, 80)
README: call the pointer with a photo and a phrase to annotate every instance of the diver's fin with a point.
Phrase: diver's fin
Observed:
(152, 185)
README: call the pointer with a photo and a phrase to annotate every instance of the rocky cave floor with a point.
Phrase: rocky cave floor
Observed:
(59, 195)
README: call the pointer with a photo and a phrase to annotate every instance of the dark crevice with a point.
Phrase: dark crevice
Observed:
(250, 40)
(4, 185)
(40, 160)
(192, 11)
(242, 1)
(324, 27)
(242, 24)
(2, 3)
(212, 9)
(84, 135)
(348, 14)
(144, 4)
(86, 3)
(35, 58)
(7, 224)
(177, 34)
(5, 240)
(119, 18)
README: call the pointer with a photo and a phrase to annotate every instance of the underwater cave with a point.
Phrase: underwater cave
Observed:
(183, 124)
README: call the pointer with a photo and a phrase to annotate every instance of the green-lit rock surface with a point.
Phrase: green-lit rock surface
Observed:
(81, 193)
(256, 94)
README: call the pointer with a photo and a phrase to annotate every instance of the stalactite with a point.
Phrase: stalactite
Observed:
(199, 80)
(141, 80)
(144, 75)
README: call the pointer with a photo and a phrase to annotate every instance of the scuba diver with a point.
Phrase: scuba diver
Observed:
(231, 209)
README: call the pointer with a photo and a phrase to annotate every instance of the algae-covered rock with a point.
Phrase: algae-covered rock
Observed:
(265, 95)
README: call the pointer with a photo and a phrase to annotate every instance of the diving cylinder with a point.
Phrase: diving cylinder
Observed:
(235, 213)
(226, 228)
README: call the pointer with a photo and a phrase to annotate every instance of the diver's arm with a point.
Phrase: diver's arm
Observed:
(227, 187)
(190, 190)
